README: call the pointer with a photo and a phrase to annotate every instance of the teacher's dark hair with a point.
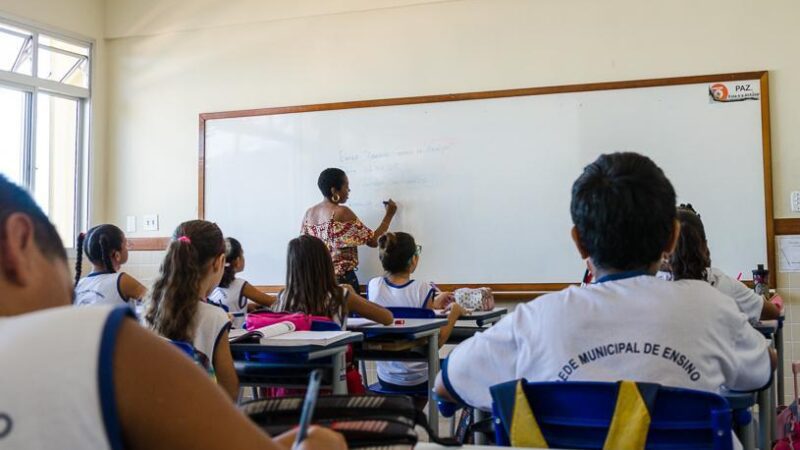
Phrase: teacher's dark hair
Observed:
(623, 207)
(332, 178)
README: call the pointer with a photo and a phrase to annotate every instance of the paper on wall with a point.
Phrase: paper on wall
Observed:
(789, 253)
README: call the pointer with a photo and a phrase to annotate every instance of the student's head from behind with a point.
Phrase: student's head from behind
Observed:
(623, 211)
(33, 264)
(234, 261)
(398, 252)
(191, 269)
(105, 247)
(691, 258)
(334, 185)
(311, 286)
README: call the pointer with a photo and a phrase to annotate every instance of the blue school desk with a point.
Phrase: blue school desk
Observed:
(425, 330)
(265, 365)
(477, 318)
(476, 322)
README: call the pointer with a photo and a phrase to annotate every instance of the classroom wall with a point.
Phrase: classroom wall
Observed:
(86, 19)
(171, 60)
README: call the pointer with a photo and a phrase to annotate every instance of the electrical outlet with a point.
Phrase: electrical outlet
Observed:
(796, 201)
(130, 224)
(150, 222)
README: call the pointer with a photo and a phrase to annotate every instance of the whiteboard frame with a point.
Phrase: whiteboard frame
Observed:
(513, 291)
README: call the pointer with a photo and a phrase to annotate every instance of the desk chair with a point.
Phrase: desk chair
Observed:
(199, 358)
(402, 313)
(581, 415)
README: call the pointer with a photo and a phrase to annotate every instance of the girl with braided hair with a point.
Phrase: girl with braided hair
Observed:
(107, 250)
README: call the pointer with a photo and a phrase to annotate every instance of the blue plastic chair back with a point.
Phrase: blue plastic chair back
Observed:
(320, 325)
(379, 389)
(402, 312)
(185, 347)
(578, 414)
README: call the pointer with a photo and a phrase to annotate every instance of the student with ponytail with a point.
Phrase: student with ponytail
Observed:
(179, 309)
(233, 293)
(399, 255)
(691, 260)
(106, 247)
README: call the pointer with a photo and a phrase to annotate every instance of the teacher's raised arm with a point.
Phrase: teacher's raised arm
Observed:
(339, 227)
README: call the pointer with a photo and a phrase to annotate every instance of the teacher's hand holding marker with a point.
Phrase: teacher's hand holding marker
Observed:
(391, 210)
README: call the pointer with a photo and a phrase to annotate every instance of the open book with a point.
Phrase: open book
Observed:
(276, 329)
(283, 333)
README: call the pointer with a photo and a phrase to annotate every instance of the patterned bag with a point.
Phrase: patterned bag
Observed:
(480, 299)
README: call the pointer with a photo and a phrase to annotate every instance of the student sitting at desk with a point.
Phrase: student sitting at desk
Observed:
(107, 249)
(311, 289)
(234, 292)
(92, 378)
(311, 286)
(629, 324)
(691, 260)
(179, 311)
(399, 255)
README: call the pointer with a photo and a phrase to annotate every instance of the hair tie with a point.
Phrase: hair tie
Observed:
(185, 240)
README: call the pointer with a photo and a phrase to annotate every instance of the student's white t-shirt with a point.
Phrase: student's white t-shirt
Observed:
(746, 299)
(57, 389)
(233, 298)
(676, 333)
(100, 288)
(211, 321)
(413, 294)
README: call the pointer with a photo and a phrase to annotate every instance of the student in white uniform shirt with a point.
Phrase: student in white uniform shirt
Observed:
(400, 255)
(629, 324)
(106, 382)
(233, 293)
(106, 247)
(691, 260)
(179, 310)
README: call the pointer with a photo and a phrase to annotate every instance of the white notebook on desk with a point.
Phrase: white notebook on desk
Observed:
(358, 322)
(283, 333)
(321, 338)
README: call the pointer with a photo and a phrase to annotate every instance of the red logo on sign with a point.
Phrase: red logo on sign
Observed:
(719, 91)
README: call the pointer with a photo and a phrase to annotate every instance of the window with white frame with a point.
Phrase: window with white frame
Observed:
(45, 87)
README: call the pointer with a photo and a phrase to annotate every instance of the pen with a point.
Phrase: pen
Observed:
(308, 406)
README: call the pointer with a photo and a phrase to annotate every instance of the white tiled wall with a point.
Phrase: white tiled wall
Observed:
(144, 266)
(789, 289)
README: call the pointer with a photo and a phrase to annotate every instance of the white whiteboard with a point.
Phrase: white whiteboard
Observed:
(484, 185)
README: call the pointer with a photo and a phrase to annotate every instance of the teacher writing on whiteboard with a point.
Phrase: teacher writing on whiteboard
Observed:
(339, 227)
